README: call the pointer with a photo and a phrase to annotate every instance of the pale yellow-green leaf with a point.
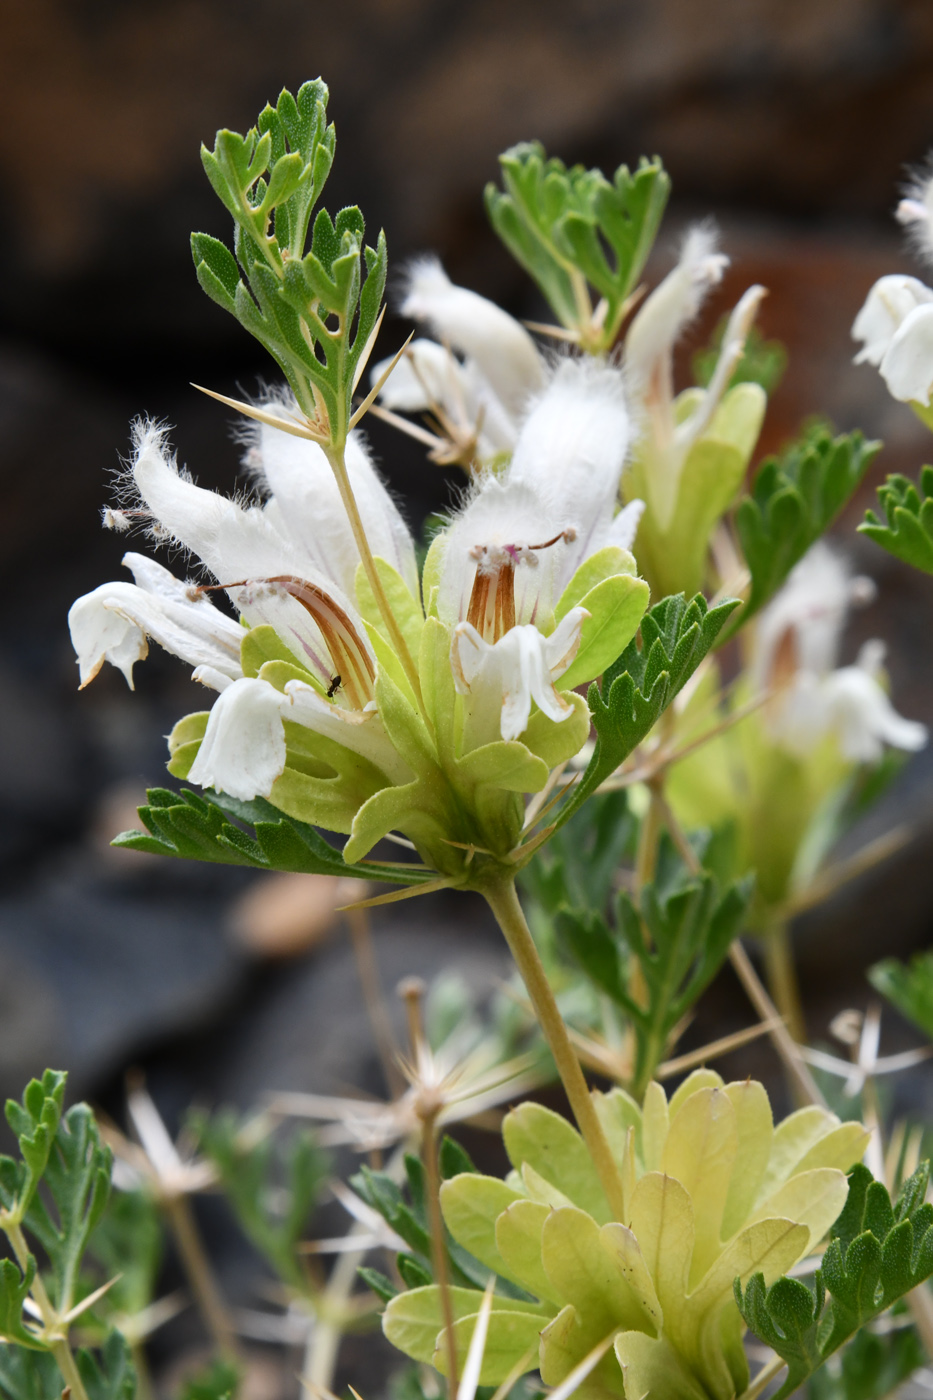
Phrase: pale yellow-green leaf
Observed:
(793, 1138)
(405, 609)
(518, 1239)
(655, 1123)
(563, 1346)
(548, 1143)
(662, 1223)
(540, 1190)
(652, 1370)
(593, 1277)
(389, 662)
(510, 1336)
(431, 573)
(754, 1125)
(621, 1243)
(413, 1319)
(185, 741)
(503, 764)
(471, 1205)
(616, 607)
(698, 1079)
(739, 417)
(840, 1148)
(617, 1111)
(770, 1247)
(407, 809)
(279, 673)
(405, 727)
(700, 1151)
(812, 1198)
(262, 644)
(554, 741)
(605, 563)
(437, 684)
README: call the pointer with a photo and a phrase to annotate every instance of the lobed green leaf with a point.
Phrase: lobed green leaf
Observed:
(907, 528)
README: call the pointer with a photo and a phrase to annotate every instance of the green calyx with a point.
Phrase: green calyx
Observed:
(713, 1192)
(688, 491)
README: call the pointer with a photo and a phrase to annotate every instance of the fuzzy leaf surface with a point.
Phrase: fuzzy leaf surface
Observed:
(906, 531)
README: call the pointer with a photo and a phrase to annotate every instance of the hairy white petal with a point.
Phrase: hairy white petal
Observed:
(233, 542)
(915, 211)
(503, 679)
(307, 510)
(890, 300)
(243, 749)
(864, 719)
(907, 365)
(624, 527)
(671, 307)
(503, 349)
(113, 622)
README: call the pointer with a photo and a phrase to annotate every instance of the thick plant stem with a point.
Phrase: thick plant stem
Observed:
(198, 1270)
(782, 979)
(502, 898)
(399, 645)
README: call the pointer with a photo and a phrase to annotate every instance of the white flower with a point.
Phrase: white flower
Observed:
(915, 211)
(113, 623)
(482, 396)
(291, 563)
(796, 648)
(668, 437)
(509, 553)
(888, 304)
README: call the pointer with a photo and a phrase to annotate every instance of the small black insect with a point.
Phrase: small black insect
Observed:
(333, 687)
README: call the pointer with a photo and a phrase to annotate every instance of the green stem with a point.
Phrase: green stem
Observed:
(339, 467)
(501, 896)
(782, 979)
(59, 1345)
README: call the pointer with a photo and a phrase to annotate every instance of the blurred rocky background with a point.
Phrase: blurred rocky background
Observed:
(790, 121)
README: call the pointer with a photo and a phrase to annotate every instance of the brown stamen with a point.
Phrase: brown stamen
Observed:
(352, 662)
(492, 600)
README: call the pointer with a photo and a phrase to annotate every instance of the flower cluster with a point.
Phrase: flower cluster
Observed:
(530, 584)
(713, 1191)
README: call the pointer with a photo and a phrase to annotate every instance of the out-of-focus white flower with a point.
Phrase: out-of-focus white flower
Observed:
(796, 650)
(895, 325)
(671, 428)
(479, 399)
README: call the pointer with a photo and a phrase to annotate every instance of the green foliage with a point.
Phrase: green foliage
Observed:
(794, 500)
(202, 826)
(29, 1375)
(660, 955)
(315, 310)
(127, 1244)
(406, 1213)
(35, 1123)
(638, 687)
(219, 1381)
(908, 533)
(14, 1290)
(77, 1178)
(877, 1254)
(560, 223)
(272, 1186)
(579, 864)
(870, 1367)
(763, 361)
(110, 1374)
(909, 987)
